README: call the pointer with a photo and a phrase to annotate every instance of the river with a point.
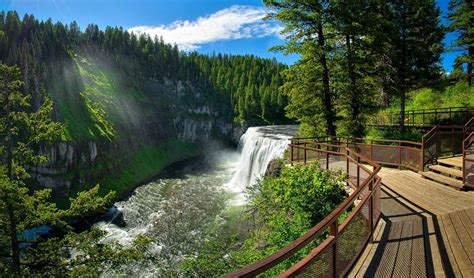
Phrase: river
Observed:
(177, 210)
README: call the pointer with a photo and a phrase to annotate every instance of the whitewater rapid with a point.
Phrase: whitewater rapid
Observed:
(178, 210)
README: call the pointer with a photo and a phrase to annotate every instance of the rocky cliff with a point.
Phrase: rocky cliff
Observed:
(120, 134)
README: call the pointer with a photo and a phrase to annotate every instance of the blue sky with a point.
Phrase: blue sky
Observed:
(225, 26)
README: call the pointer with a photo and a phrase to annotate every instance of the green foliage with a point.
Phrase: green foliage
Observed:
(410, 134)
(461, 16)
(146, 162)
(344, 64)
(23, 131)
(459, 94)
(92, 73)
(280, 209)
(87, 204)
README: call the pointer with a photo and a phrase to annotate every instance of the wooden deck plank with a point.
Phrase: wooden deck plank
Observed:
(436, 260)
(433, 204)
(385, 268)
(403, 259)
(452, 161)
(427, 194)
(418, 264)
(467, 223)
(441, 221)
(447, 170)
(449, 251)
(470, 214)
(363, 263)
(463, 235)
(457, 184)
(460, 257)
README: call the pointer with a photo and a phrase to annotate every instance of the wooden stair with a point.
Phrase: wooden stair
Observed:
(448, 171)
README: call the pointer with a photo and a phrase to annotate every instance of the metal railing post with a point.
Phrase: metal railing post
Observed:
(399, 155)
(347, 164)
(305, 153)
(291, 154)
(358, 171)
(371, 212)
(327, 158)
(333, 261)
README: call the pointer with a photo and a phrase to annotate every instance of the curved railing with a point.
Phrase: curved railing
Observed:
(399, 153)
(344, 233)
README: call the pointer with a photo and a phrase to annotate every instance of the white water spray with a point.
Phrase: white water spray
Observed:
(259, 146)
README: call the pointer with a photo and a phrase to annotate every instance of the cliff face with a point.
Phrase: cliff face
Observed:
(120, 133)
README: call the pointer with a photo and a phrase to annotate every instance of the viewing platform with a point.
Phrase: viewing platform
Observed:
(411, 213)
(425, 230)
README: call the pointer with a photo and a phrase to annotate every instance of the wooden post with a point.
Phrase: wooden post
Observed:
(291, 154)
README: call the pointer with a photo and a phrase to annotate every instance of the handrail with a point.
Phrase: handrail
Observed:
(317, 139)
(468, 150)
(427, 117)
(370, 183)
(442, 140)
(440, 109)
(405, 154)
(469, 126)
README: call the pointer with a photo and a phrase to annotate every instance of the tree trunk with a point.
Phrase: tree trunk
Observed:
(469, 65)
(402, 73)
(354, 96)
(329, 114)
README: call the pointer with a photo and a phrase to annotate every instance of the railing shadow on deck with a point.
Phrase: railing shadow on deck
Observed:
(375, 263)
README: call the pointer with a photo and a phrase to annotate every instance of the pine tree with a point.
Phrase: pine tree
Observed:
(308, 28)
(410, 32)
(461, 17)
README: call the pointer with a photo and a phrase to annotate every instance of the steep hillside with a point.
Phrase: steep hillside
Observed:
(132, 105)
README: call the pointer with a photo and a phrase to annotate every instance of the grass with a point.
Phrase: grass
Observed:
(145, 163)
(89, 97)
(457, 95)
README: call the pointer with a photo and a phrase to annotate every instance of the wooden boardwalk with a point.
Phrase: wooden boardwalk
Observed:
(426, 230)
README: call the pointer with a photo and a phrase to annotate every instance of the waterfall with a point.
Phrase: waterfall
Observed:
(258, 146)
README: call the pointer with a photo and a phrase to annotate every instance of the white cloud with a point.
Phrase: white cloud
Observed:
(235, 22)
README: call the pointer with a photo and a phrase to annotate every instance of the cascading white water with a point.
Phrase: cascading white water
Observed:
(259, 146)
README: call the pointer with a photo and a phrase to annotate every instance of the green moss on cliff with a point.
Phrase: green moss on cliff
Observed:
(146, 162)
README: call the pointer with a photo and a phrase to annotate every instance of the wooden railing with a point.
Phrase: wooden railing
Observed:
(341, 244)
(399, 153)
(427, 117)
